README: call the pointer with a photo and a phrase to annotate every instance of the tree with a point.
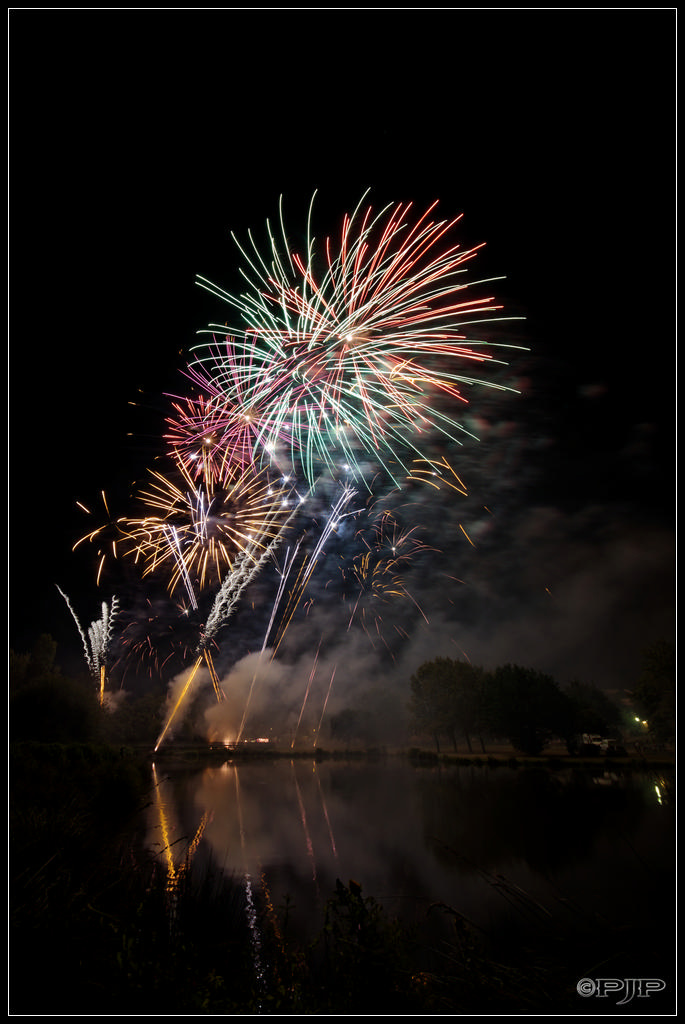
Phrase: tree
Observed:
(527, 707)
(594, 710)
(134, 720)
(45, 705)
(428, 703)
(446, 699)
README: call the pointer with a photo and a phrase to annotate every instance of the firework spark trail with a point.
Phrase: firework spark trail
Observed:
(110, 532)
(283, 574)
(181, 565)
(175, 872)
(250, 909)
(306, 570)
(246, 568)
(325, 814)
(437, 473)
(306, 694)
(335, 517)
(220, 695)
(86, 648)
(164, 830)
(323, 712)
(179, 702)
(97, 643)
(385, 580)
(305, 826)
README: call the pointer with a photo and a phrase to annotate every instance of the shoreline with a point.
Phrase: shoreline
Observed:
(187, 754)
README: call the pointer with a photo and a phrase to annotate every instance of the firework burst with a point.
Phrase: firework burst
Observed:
(193, 531)
(362, 338)
(238, 416)
(374, 576)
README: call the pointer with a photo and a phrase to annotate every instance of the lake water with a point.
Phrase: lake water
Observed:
(514, 850)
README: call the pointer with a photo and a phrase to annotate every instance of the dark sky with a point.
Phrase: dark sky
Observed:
(140, 139)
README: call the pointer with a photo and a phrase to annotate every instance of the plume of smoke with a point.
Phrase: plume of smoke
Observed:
(178, 702)
(224, 720)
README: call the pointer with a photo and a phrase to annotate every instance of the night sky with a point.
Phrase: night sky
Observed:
(140, 139)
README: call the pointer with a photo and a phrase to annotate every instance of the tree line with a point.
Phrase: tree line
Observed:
(456, 702)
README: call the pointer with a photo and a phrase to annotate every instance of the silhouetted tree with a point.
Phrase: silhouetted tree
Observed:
(134, 719)
(44, 704)
(446, 699)
(428, 703)
(594, 710)
(527, 707)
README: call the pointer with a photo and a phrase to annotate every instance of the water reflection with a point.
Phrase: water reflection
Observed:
(177, 853)
(503, 847)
